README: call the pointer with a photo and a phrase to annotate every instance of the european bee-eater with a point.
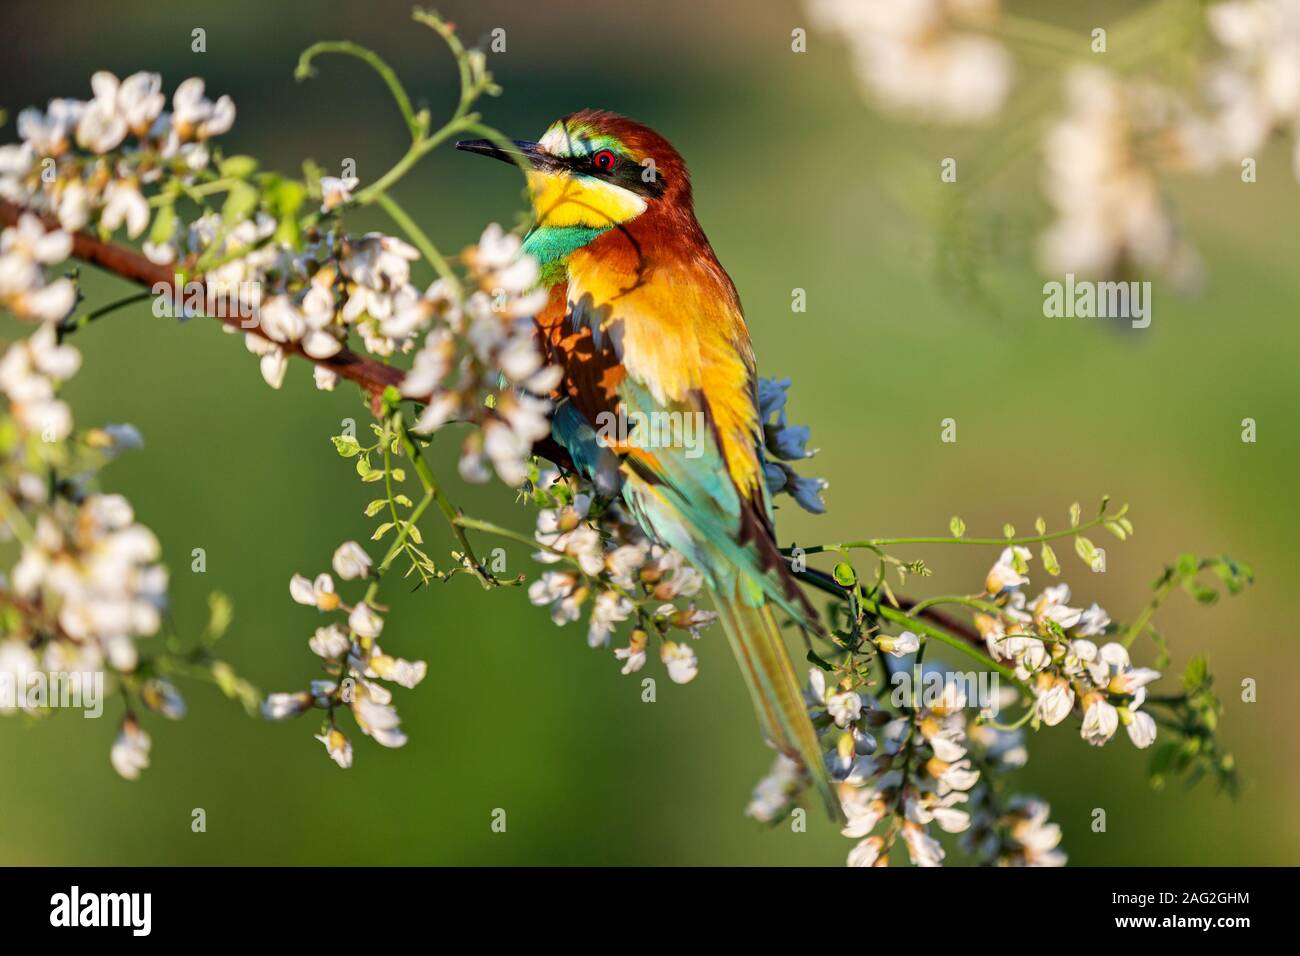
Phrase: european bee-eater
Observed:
(644, 321)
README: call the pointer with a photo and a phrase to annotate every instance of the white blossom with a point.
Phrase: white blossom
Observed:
(680, 660)
(130, 753)
(351, 561)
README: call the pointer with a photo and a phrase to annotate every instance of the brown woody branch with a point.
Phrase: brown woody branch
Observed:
(128, 264)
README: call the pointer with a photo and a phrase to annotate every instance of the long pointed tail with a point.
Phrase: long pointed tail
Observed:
(760, 650)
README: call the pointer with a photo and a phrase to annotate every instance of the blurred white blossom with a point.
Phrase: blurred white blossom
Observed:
(25, 251)
(925, 59)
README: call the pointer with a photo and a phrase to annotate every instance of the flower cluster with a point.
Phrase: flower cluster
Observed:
(92, 569)
(612, 564)
(1019, 834)
(315, 298)
(481, 362)
(352, 659)
(128, 139)
(1120, 133)
(925, 57)
(1014, 831)
(902, 774)
(1254, 90)
(87, 584)
(295, 284)
(1050, 644)
(1100, 178)
(918, 775)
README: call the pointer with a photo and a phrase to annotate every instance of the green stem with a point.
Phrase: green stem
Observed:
(488, 528)
(1025, 718)
(448, 34)
(198, 192)
(422, 241)
(412, 156)
(929, 630)
(1162, 593)
(964, 600)
(449, 511)
(415, 124)
(875, 544)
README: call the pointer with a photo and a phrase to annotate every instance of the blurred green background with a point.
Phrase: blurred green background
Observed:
(799, 184)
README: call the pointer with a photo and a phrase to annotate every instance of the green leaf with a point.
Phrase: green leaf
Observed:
(164, 225)
(240, 203)
(312, 173)
(225, 678)
(220, 613)
(1198, 669)
(346, 445)
(288, 234)
(957, 527)
(284, 197)
(1233, 574)
(844, 575)
(1163, 758)
(238, 167)
(812, 658)
(1202, 593)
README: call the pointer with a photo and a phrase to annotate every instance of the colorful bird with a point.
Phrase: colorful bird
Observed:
(648, 329)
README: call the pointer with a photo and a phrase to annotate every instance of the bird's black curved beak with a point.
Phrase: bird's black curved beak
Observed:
(520, 152)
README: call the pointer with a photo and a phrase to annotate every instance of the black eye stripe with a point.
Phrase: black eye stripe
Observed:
(621, 170)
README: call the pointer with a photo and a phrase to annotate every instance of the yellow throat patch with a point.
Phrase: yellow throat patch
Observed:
(561, 200)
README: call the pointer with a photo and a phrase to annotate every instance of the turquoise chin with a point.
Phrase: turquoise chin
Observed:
(548, 244)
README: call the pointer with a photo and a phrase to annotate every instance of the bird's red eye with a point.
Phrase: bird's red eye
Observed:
(604, 160)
